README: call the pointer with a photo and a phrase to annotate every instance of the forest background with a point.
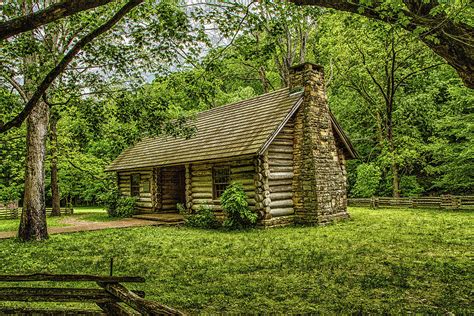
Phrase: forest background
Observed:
(406, 111)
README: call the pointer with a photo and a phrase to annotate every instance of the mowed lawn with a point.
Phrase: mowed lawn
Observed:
(384, 260)
(84, 213)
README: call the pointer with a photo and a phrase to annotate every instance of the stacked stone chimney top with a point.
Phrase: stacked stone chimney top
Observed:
(307, 65)
(298, 75)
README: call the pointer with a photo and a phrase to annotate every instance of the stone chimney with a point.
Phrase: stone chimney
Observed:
(319, 184)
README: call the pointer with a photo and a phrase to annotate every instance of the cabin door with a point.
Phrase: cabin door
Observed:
(181, 187)
(173, 188)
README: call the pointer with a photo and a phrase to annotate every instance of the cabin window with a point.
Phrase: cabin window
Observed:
(135, 184)
(220, 180)
(146, 186)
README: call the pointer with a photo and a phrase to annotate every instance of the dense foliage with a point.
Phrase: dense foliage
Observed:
(236, 208)
(203, 217)
(117, 92)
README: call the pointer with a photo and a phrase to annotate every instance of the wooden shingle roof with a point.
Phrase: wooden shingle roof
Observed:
(240, 128)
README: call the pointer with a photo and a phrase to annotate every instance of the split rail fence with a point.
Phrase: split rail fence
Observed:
(448, 202)
(110, 296)
(12, 211)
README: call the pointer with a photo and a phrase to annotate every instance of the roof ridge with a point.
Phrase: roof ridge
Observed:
(242, 101)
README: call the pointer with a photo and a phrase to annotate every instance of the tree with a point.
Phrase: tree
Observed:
(128, 59)
(445, 27)
(33, 219)
(50, 14)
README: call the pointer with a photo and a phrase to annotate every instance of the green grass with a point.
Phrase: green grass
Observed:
(89, 209)
(87, 213)
(98, 217)
(12, 224)
(381, 261)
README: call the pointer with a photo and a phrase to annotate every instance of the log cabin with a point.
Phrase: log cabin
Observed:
(285, 147)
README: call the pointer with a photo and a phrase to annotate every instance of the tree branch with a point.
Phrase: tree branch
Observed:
(445, 36)
(17, 87)
(61, 66)
(50, 14)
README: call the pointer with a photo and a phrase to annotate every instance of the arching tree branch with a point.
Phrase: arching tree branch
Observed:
(50, 14)
(61, 66)
(450, 39)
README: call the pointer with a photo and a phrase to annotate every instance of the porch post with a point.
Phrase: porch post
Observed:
(188, 187)
(156, 189)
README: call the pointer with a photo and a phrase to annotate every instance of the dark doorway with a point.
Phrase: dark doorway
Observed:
(173, 188)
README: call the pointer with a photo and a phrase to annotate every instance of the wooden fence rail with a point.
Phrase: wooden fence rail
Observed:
(448, 202)
(13, 213)
(110, 296)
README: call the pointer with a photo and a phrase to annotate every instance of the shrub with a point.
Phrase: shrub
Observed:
(116, 205)
(9, 193)
(204, 217)
(235, 205)
(368, 180)
(125, 206)
(410, 187)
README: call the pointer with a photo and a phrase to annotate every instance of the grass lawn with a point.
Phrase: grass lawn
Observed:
(87, 213)
(7, 225)
(392, 261)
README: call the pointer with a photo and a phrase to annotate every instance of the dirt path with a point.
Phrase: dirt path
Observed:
(78, 225)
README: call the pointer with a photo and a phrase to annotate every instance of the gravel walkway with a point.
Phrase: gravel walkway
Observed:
(78, 225)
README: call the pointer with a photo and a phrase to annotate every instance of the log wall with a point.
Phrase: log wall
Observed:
(144, 203)
(241, 170)
(280, 161)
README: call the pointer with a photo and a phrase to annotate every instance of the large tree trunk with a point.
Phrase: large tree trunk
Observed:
(33, 216)
(53, 138)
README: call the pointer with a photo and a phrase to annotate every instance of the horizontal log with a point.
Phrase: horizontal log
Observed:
(281, 162)
(197, 173)
(203, 201)
(282, 149)
(138, 303)
(280, 156)
(49, 312)
(274, 169)
(67, 278)
(129, 173)
(281, 188)
(198, 195)
(275, 212)
(196, 184)
(29, 294)
(281, 203)
(242, 176)
(202, 178)
(204, 189)
(282, 142)
(281, 175)
(274, 196)
(280, 182)
(288, 136)
(243, 169)
(199, 167)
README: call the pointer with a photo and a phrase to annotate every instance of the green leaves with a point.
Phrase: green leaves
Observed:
(235, 205)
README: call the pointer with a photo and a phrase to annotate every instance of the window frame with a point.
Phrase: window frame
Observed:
(135, 187)
(219, 187)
